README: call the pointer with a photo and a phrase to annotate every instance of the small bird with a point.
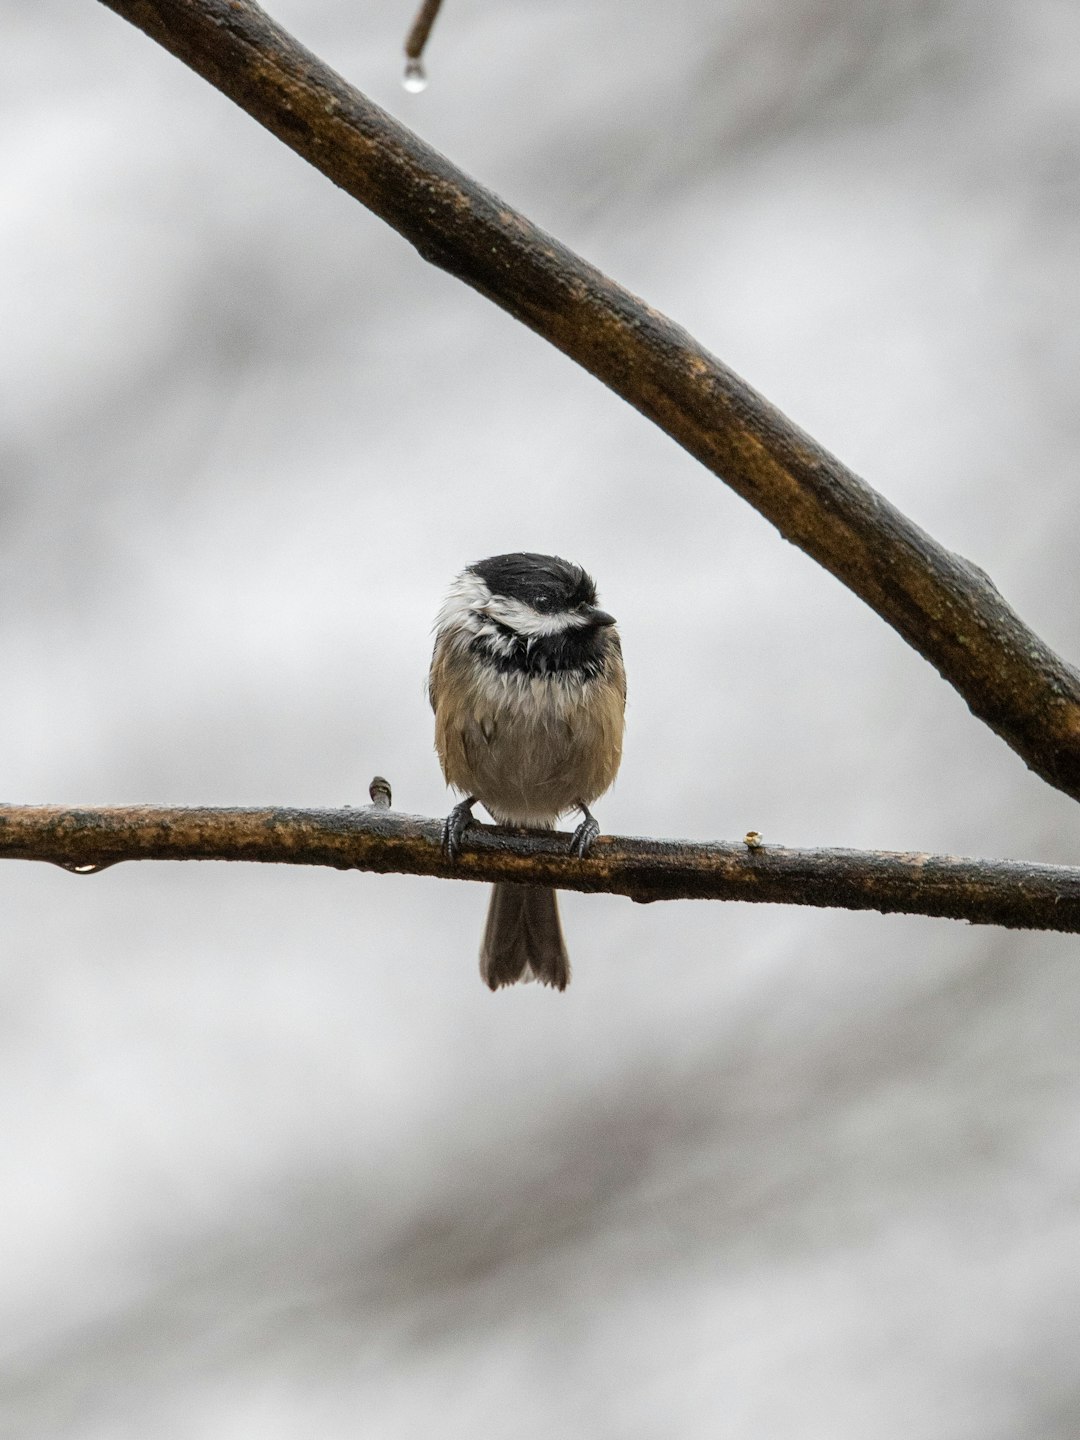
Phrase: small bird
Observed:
(528, 689)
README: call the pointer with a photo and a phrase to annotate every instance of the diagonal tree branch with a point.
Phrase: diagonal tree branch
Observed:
(940, 603)
(986, 892)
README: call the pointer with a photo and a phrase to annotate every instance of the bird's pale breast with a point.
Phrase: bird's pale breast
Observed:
(530, 748)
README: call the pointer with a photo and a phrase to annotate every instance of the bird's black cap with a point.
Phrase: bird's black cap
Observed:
(546, 582)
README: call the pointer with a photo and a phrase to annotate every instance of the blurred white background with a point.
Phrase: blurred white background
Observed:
(275, 1164)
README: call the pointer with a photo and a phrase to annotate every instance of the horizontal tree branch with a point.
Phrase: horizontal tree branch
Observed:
(940, 603)
(986, 892)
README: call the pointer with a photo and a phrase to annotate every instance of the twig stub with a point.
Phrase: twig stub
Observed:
(417, 37)
(380, 792)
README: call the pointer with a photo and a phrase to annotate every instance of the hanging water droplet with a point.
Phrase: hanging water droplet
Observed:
(415, 77)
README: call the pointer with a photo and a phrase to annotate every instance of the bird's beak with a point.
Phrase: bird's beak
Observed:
(598, 619)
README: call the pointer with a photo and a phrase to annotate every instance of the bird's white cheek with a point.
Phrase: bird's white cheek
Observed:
(529, 623)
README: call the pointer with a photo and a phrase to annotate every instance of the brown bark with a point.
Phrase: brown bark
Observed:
(375, 838)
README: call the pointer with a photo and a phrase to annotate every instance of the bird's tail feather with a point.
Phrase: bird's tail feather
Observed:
(523, 938)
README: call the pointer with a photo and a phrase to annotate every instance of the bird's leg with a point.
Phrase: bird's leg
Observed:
(585, 833)
(457, 822)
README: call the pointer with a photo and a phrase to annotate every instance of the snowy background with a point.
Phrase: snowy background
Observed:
(275, 1164)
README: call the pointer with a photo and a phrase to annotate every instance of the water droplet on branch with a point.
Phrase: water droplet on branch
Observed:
(415, 77)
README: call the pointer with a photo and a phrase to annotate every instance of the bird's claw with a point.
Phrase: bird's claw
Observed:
(457, 822)
(584, 835)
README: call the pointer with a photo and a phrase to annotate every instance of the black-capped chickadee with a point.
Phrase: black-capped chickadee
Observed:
(528, 689)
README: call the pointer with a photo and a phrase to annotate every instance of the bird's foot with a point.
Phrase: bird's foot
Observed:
(457, 822)
(585, 834)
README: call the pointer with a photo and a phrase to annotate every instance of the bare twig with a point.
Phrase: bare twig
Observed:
(940, 603)
(417, 37)
(986, 892)
(380, 793)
